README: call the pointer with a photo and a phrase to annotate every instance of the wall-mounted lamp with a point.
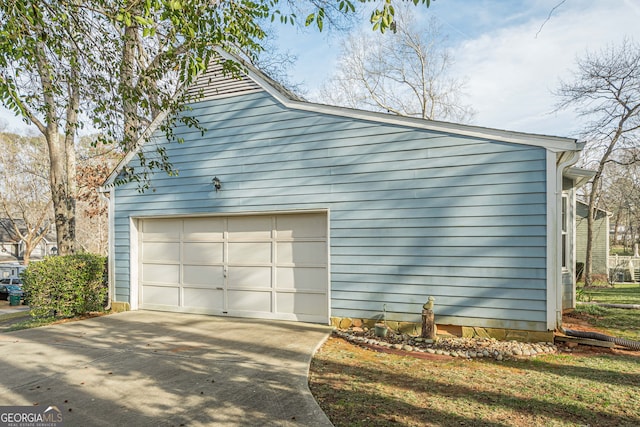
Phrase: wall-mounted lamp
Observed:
(216, 183)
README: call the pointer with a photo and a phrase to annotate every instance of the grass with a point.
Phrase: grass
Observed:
(36, 322)
(618, 322)
(31, 322)
(359, 387)
(620, 293)
(614, 321)
(588, 387)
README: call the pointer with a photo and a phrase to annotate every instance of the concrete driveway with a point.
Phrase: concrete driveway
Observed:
(163, 369)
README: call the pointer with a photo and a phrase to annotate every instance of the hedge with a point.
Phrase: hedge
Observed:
(66, 286)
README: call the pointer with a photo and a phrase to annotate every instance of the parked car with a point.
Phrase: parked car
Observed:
(6, 290)
(11, 281)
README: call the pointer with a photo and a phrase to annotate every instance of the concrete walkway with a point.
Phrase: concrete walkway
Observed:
(164, 369)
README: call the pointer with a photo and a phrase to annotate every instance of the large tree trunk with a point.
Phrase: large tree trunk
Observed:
(127, 83)
(63, 193)
(588, 262)
(62, 155)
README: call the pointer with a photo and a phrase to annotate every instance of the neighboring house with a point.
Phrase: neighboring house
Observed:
(327, 214)
(600, 244)
(12, 246)
(10, 269)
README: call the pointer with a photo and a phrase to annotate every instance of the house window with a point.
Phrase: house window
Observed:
(565, 228)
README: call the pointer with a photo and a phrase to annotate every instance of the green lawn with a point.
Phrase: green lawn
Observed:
(580, 387)
(624, 323)
(621, 293)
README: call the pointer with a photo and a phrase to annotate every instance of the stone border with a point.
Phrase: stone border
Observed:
(465, 348)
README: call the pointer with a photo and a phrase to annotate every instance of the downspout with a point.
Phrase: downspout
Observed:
(110, 260)
(563, 161)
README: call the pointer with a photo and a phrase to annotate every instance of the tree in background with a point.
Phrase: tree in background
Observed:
(404, 72)
(621, 198)
(95, 163)
(25, 196)
(25, 199)
(605, 90)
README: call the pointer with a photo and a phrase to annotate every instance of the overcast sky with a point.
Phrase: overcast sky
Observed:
(512, 53)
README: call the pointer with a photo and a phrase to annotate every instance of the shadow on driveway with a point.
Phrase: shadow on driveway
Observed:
(148, 368)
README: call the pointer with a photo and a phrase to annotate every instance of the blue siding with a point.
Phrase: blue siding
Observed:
(413, 213)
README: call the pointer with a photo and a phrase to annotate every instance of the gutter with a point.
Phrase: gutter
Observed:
(563, 161)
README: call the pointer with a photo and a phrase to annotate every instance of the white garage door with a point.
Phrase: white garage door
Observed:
(268, 266)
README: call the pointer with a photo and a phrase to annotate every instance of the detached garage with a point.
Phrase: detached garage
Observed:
(285, 209)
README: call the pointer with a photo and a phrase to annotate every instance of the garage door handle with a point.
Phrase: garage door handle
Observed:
(220, 289)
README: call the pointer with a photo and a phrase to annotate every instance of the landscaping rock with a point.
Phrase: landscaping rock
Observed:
(467, 348)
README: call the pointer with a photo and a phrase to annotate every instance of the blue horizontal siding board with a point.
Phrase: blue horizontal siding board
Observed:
(433, 288)
(407, 251)
(456, 262)
(413, 212)
(368, 221)
(508, 212)
(448, 271)
(439, 232)
(520, 245)
(351, 281)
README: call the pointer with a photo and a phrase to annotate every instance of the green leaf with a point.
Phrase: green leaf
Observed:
(310, 19)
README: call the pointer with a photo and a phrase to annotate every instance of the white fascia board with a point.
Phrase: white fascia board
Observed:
(551, 143)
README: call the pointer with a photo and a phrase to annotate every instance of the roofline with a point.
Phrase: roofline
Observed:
(597, 208)
(553, 143)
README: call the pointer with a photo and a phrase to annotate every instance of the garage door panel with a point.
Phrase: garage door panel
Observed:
(209, 229)
(301, 226)
(203, 275)
(250, 253)
(301, 253)
(160, 273)
(161, 229)
(209, 299)
(299, 278)
(302, 303)
(203, 253)
(250, 228)
(249, 301)
(161, 252)
(249, 277)
(161, 295)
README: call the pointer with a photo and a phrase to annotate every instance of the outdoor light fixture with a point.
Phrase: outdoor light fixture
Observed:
(216, 183)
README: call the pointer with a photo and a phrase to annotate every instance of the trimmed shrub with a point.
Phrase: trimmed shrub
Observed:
(65, 286)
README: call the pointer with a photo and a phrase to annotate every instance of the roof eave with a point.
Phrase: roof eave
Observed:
(579, 175)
